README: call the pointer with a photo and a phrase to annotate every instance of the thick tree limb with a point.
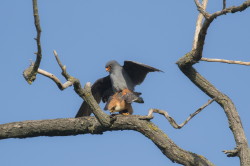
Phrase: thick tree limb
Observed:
(185, 64)
(31, 72)
(170, 119)
(90, 125)
(102, 122)
(226, 61)
(225, 102)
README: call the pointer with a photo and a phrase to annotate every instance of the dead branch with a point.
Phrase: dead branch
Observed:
(102, 121)
(195, 54)
(84, 93)
(231, 153)
(226, 61)
(202, 8)
(30, 73)
(63, 67)
(199, 23)
(170, 119)
(185, 64)
(232, 9)
(55, 79)
(90, 125)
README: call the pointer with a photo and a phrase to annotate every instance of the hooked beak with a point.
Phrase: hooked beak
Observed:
(108, 68)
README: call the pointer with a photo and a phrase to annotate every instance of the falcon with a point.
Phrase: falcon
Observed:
(121, 102)
(117, 89)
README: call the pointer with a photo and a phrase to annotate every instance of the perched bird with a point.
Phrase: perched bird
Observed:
(121, 102)
(117, 89)
(117, 103)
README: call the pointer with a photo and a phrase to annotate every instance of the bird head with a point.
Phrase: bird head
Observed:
(111, 65)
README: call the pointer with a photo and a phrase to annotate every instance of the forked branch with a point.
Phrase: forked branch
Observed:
(31, 72)
(55, 79)
(170, 119)
(84, 93)
(202, 8)
(90, 125)
(186, 63)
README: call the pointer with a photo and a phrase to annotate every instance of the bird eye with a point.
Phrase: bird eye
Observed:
(108, 68)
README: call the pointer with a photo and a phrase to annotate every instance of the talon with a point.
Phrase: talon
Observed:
(125, 113)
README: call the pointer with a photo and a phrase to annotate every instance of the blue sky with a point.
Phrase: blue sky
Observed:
(87, 34)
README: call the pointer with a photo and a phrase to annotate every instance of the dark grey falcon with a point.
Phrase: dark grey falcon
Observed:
(120, 77)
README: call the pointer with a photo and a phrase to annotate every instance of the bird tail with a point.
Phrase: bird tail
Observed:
(133, 97)
(139, 100)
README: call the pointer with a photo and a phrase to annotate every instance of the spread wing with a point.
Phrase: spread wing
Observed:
(101, 90)
(138, 71)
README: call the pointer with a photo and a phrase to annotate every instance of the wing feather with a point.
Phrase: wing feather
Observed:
(101, 90)
(138, 71)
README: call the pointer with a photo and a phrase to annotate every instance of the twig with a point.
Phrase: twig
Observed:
(61, 86)
(226, 61)
(63, 67)
(30, 73)
(232, 9)
(170, 119)
(199, 24)
(55, 79)
(231, 153)
(84, 93)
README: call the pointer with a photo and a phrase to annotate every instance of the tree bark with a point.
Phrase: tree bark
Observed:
(90, 125)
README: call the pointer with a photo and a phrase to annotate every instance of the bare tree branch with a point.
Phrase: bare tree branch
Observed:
(195, 55)
(231, 153)
(90, 125)
(30, 73)
(232, 9)
(87, 96)
(64, 72)
(103, 122)
(170, 119)
(84, 93)
(226, 103)
(202, 8)
(226, 61)
(199, 22)
(185, 64)
(55, 79)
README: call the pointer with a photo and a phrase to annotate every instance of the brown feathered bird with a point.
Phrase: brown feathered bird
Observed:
(117, 89)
